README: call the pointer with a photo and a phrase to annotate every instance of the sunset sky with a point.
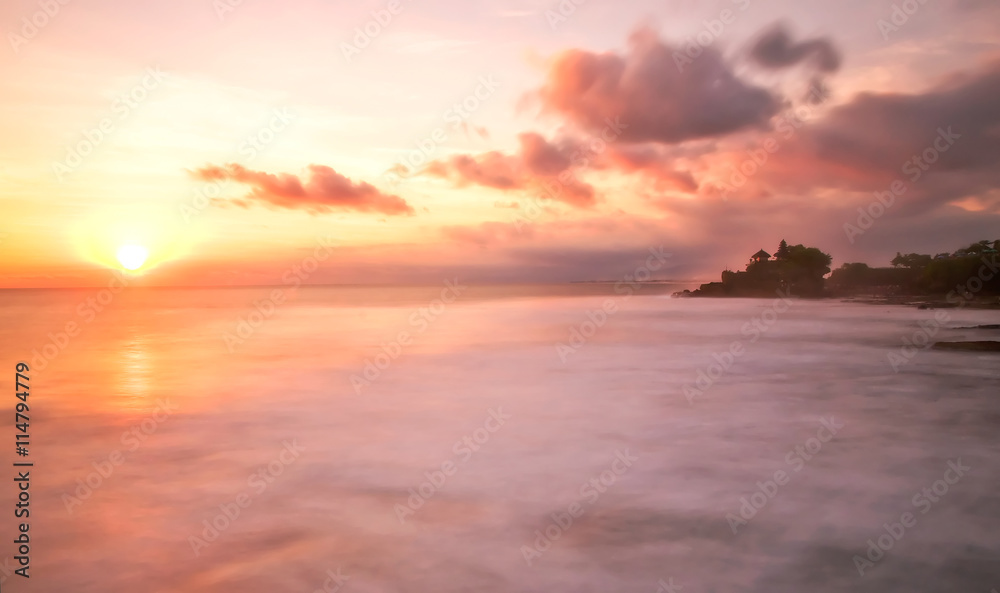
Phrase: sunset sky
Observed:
(229, 138)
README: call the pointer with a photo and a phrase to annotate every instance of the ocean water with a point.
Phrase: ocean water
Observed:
(515, 439)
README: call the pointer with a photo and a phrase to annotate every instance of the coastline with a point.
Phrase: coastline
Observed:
(941, 301)
(947, 301)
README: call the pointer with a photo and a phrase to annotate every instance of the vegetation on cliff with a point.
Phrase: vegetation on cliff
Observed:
(964, 270)
(796, 268)
(802, 271)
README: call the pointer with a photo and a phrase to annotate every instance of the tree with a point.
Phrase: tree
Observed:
(803, 269)
(976, 248)
(782, 252)
(851, 275)
(914, 261)
(810, 260)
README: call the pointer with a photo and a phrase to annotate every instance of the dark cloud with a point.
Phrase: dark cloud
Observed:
(775, 49)
(325, 190)
(542, 157)
(944, 144)
(657, 98)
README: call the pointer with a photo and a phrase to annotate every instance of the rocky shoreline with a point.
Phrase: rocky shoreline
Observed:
(921, 302)
(971, 346)
(926, 302)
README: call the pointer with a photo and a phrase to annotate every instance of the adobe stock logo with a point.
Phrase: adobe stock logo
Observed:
(590, 492)
(713, 29)
(230, 511)
(598, 317)
(900, 16)
(30, 26)
(754, 328)
(421, 320)
(796, 458)
(894, 532)
(915, 167)
(464, 448)
(121, 107)
(364, 35)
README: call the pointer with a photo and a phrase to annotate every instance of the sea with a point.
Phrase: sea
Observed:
(579, 438)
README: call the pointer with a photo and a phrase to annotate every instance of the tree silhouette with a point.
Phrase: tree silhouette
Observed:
(914, 261)
(782, 250)
(802, 270)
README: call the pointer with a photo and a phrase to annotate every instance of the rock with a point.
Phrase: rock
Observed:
(980, 346)
(937, 305)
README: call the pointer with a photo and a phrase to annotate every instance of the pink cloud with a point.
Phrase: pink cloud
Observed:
(323, 191)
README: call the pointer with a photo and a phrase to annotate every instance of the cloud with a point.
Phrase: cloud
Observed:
(651, 94)
(542, 157)
(661, 106)
(325, 190)
(775, 49)
(537, 162)
(655, 162)
(491, 169)
(943, 144)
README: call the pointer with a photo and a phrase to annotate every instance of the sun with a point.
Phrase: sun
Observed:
(132, 256)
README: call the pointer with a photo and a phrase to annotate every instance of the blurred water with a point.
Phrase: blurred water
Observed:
(333, 500)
